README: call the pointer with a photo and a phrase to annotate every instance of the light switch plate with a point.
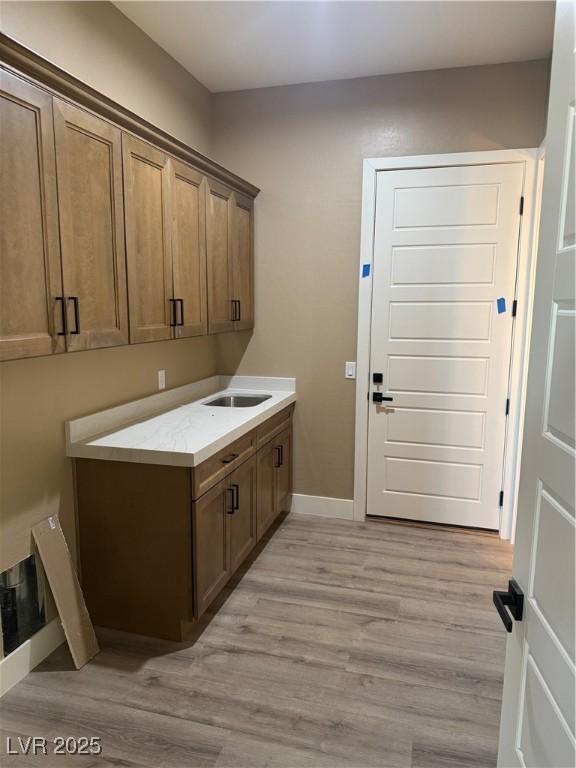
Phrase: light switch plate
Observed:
(350, 370)
(162, 379)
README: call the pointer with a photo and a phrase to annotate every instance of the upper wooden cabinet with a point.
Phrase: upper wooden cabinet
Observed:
(30, 278)
(89, 167)
(189, 249)
(148, 240)
(242, 254)
(111, 232)
(230, 259)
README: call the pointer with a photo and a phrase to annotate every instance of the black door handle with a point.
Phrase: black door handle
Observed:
(239, 313)
(173, 322)
(378, 397)
(76, 304)
(231, 507)
(513, 600)
(64, 330)
(236, 496)
(278, 462)
(181, 303)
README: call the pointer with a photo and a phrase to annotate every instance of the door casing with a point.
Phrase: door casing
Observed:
(533, 160)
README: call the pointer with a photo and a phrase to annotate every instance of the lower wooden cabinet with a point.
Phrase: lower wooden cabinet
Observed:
(158, 543)
(274, 480)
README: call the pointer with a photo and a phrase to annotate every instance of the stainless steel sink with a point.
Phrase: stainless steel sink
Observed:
(238, 401)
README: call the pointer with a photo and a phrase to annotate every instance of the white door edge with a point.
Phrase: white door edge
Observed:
(532, 158)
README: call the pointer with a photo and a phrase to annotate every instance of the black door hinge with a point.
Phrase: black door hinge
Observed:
(521, 205)
(501, 499)
(507, 406)
(514, 307)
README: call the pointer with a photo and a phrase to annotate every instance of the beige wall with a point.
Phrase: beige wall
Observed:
(303, 145)
(99, 45)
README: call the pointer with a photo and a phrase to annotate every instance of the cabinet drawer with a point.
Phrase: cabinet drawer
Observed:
(214, 469)
(273, 426)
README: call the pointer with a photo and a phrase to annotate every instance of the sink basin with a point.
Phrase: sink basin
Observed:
(238, 401)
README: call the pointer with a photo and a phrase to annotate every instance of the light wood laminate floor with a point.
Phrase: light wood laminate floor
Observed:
(343, 644)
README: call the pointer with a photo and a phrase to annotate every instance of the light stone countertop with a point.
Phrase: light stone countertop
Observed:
(174, 427)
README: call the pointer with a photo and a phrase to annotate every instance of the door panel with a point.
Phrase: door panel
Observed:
(243, 260)
(445, 250)
(243, 521)
(30, 277)
(284, 471)
(218, 258)
(266, 498)
(148, 242)
(538, 705)
(211, 546)
(189, 249)
(89, 165)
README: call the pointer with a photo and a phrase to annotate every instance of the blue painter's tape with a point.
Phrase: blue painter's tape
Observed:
(501, 302)
(365, 270)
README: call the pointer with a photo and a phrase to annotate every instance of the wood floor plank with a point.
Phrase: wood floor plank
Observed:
(344, 645)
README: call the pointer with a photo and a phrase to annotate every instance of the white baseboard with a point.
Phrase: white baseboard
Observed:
(324, 506)
(32, 652)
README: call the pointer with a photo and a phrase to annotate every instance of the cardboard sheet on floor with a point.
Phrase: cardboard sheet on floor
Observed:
(61, 575)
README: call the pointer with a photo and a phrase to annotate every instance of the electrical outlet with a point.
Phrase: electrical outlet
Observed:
(350, 370)
(162, 379)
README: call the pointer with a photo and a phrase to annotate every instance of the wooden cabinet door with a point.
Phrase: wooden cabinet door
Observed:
(89, 167)
(266, 496)
(242, 521)
(30, 277)
(148, 241)
(242, 254)
(211, 545)
(283, 460)
(218, 257)
(189, 249)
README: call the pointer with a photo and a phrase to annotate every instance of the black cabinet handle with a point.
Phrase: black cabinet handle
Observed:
(236, 496)
(236, 310)
(233, 303)
(513, 599)
(239, 312)
(180, 302)
(278, 462)
(230, 507)
(228, 459)
(378, 397)
(76, 304)
(173, 322)
(64, 330)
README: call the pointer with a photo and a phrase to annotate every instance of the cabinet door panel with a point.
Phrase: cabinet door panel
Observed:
(218, 245)
(284, 471)
(30, 278)
(211, 546)
(243, 520)
(89, 165)
(148, 246)
(189, 249)
(243, 260)
(266, 501)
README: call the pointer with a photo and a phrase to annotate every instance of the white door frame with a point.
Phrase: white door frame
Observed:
(532, 159)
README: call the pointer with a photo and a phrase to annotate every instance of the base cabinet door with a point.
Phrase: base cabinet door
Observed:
(266, 507)
(211, 545)
(242, 520)
(31, 303)
(283, 449)
(89, 165)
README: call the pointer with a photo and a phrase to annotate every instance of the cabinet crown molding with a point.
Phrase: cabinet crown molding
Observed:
(20, 60)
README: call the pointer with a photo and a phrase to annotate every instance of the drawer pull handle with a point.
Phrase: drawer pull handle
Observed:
(231, 506)
(230, 458)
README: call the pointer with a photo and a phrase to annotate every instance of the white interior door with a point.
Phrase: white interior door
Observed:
(445, 253)
(538, 711)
